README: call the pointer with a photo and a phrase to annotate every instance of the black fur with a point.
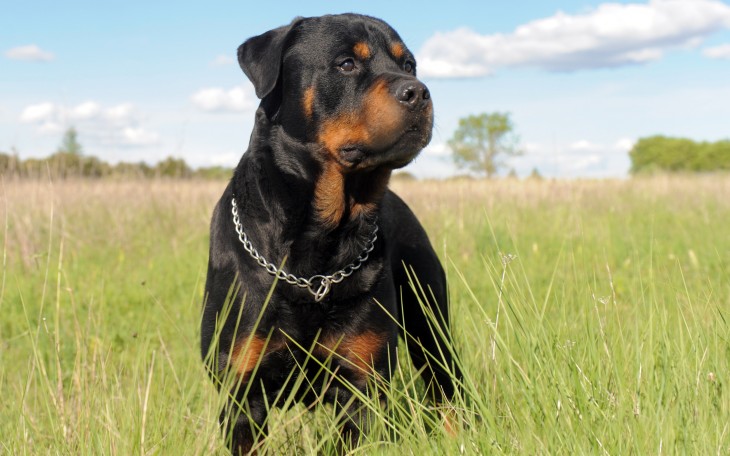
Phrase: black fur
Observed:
(278, 188)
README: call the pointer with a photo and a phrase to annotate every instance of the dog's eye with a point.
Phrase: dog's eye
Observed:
(347, 65)
(408, 67)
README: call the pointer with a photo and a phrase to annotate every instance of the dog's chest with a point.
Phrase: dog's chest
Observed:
(306, 321)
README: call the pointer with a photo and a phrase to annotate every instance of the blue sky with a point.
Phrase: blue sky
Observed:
(582, 79)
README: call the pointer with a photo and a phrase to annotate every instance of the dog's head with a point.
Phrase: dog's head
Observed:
(346, 83)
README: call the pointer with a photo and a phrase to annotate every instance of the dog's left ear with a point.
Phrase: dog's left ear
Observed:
(260, 57)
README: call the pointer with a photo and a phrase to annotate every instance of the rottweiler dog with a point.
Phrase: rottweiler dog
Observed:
(315, 266)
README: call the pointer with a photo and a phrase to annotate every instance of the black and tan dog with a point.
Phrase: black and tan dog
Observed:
(340, 109)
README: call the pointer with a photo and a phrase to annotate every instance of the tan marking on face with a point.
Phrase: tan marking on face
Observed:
(362, 50)
(246, 355)
(376, 124)
(308, 102)
(383, 115)
(397, 50)
(341, 131)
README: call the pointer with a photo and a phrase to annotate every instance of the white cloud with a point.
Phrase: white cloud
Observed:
(225, 158)
(611, 35)
(717, 52)
(583, 145)
(437, 150)
(573, 159)
(139, 137)
(30, 52)
(222, 60)
(50, 128)
(122, 113)
(38, 112)
(214, 99)
(85, 111)
(117, 126)
(430, 166)
(625, 144)
(581, 158)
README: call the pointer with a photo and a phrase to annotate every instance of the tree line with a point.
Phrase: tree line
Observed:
(62, 165)
(665, 154)
(70, 162)
(477, 146)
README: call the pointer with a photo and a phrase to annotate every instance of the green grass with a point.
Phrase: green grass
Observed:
(591, 317)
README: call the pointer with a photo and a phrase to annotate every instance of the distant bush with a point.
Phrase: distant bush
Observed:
(660, 153)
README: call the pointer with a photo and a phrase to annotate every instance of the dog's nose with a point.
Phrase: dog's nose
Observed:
(414, 94)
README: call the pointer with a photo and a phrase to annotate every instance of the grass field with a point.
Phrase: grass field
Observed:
(590, 316)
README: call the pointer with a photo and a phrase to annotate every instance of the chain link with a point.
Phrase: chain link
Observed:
(323, 283)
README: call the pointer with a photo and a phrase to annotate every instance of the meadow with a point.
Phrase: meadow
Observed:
(591, 317)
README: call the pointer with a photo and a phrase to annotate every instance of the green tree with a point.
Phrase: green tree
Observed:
(70, 143)
(535, 174)
(665, 154)
(481, 140)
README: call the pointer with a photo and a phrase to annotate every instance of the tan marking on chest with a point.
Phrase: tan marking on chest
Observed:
(308, 102)
(329, 195)
(366, 203)
(246, 355)
(359, 352)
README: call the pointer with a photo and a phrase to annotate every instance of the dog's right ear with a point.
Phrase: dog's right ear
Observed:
(260, 57)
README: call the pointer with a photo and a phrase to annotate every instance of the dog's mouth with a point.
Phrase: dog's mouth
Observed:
(394, 155)
(353, 154)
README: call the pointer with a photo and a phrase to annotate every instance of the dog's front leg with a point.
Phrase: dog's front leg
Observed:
(244, 423)
(354, 418)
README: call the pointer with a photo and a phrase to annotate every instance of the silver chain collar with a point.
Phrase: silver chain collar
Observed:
(319, 285)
